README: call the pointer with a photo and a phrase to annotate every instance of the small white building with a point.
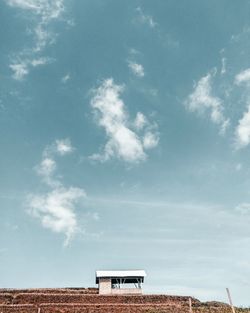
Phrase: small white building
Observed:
(120, 282)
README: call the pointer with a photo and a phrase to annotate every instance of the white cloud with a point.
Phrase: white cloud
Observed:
(46, 9)
(63, 146)
(65, 78)
(46, 170)
(243, 77)
(42, 38)
(202, 100)
(58, 147)
(140, 121)
(123, 141)
(150, 140)
(56, 210)
(39, 61)
(242, 132)
(136, 68)
(133, 51)
(47, 167)
(24, 4)
(145, 19)
(42, 13)
(223, 66)
(21, 68)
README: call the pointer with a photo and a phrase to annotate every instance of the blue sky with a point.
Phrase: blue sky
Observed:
(125, 133)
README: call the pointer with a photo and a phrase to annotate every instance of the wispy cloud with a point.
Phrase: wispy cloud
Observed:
(147, 21)
(223, 66)
(140, 121)
(46, 9)
(63, 146)
(243, 77)
(21, 68)
(41, 13)
(145, 18)
(46, 170)
(124, 141)
(65, 78)
(150, 140)
(56, 208)
(136, 68)
(202, 99)
(242, 131)
(59, 147)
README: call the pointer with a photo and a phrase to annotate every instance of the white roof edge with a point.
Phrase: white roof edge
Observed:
(122, 273)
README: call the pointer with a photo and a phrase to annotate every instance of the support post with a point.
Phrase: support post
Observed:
(230, 300)
(190, 305)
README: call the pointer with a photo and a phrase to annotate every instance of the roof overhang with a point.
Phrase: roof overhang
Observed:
(130, 275)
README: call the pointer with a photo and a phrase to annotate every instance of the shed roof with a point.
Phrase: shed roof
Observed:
(120, 274)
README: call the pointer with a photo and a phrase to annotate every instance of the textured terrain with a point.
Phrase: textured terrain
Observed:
(80, 300)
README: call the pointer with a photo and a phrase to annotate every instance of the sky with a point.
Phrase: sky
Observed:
(125, 144)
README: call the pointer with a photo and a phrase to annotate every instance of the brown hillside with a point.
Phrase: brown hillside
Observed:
(87, 300)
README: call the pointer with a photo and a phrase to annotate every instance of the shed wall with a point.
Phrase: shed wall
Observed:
(105, 286)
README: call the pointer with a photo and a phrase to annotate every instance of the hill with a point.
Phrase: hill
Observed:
(87, 300)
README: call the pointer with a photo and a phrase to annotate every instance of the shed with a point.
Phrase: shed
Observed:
(120, 282)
